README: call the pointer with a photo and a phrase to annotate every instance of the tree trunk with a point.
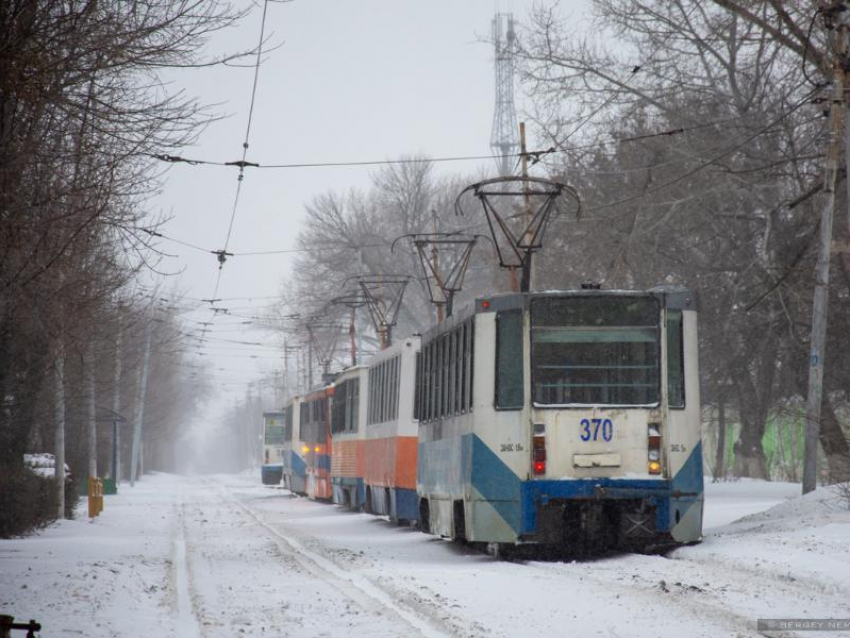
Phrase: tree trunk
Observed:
(749, 454)
(59, 425)
(720, 458)
(116, 409)
(836, 446)
(91, 412)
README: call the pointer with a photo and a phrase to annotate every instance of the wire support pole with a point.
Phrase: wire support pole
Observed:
(352, 335)
(528, 279)
(820, 304)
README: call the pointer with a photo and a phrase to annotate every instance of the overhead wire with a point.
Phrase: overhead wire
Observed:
(222, 254)
(425, 160)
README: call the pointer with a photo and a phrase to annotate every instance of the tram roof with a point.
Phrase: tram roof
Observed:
(671, 297)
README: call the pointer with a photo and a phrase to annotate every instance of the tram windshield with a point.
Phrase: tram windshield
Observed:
(595, 350)
(274, 433)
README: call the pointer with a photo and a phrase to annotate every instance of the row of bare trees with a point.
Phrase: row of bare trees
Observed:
(83, 113)
(703, 167)
(694, 133)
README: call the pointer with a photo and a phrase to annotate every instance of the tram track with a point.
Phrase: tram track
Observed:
(718, 595)
(363, 591)
(186, 613)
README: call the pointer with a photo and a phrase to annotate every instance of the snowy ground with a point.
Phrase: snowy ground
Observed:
(225, 556)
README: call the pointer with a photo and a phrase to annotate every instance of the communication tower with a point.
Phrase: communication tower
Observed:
(503, 139)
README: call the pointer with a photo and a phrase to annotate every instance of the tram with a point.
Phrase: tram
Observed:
(391, 432)
(271, 471)
(567, 418)
(294, 466)
(315, 435)
(348, 430)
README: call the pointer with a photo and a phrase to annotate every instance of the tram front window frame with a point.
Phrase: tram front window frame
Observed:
(596, 350)
(275, 434)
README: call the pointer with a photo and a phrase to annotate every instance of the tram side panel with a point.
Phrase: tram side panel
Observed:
(294, 450)
(391, 433)
(498, 444)
(683, 447)
(348, 426)
(316, 437)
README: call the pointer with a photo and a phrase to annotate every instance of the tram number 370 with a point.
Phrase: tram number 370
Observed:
(596, 429)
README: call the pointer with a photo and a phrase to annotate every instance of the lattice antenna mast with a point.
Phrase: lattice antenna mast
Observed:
(503, 138)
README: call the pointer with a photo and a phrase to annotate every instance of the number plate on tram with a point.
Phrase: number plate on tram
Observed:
(596, 429)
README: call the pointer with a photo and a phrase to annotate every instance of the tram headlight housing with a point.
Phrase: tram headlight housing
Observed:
(653, 448)
(538, 449)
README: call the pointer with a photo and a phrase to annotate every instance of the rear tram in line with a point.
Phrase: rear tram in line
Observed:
(391, 433)
(294, 465)
(567, 418)
(316, 442)
(271, 471)
(348, 432)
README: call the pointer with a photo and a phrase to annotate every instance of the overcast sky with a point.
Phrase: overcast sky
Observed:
(350, 80)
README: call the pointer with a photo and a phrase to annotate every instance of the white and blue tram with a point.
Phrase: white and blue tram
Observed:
(271, 471)
(348, 430)
(563, 418)
(294, 466)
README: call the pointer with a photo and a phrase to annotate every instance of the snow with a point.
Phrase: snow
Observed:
(226, 556)
(44, 465)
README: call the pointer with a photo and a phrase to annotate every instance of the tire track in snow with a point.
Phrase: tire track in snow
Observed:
(359, 588)
(186, 621)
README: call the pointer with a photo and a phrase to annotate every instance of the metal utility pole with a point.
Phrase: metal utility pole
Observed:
(310, 362)
(435, 262)
(527, 272)
(820, 305)
(140, 409)
(503, 139)
(286, 392)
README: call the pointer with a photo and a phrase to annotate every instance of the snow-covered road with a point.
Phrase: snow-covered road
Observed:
(225, 556)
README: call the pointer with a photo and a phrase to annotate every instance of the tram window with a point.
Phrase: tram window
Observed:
(595, 350)
(452, 369)
(509, 395)
(274, 432)
(354, 411)
(471, 363)
(393, 389)
(287, 435)
(675, 360)
(417, 389)
(338, 409)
